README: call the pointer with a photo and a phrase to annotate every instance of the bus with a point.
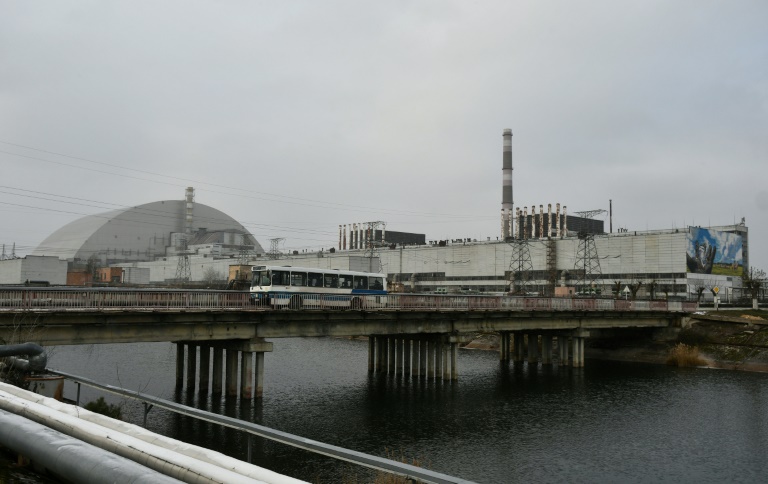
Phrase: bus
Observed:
(306, 287)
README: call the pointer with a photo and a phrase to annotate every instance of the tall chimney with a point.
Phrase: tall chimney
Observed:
(190, 204)
(506, 184)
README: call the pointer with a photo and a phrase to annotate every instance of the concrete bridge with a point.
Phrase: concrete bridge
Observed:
(408, 334)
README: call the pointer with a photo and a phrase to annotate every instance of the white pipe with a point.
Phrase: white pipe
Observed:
(69, 458)
(199, 453)
(188, 463)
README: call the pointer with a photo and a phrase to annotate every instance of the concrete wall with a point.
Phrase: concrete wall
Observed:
(33, 268)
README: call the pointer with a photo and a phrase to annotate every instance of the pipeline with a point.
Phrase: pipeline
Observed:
(181, 461)
(69, 458)
(37, 357)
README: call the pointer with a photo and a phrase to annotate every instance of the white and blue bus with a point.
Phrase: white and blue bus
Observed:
(298, 287)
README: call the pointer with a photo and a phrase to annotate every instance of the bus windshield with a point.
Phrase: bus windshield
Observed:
(261, 278)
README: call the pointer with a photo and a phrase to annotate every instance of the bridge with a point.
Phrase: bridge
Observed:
(408, 334)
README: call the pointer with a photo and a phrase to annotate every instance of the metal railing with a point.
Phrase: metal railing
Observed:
(252, 429)
(61, 299)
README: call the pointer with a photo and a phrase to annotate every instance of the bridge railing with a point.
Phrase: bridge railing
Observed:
(158, 299)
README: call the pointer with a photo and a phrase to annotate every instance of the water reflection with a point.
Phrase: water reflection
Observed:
(501, 422)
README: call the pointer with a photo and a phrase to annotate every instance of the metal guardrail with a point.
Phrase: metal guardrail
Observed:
(56, 299)
(354, 457)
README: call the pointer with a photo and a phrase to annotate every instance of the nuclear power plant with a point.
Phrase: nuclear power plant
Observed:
(542, 250)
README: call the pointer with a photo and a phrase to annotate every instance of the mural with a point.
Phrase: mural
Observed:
(714, 252)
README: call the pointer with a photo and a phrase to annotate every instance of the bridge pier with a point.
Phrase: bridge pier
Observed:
(519, 342)
(546, 349)
(430, 356)
(533, 348)
(226, 356)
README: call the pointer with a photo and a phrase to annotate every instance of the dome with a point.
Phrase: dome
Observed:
(140, 233)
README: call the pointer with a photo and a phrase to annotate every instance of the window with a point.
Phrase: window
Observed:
(280, 278)
(298, 278)
(345, 282)
(361, 282)
(331, 280)
(377, 283)
(314, 279)
(261, 278)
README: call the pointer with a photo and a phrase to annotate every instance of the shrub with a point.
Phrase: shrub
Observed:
(104, 408)
(684, 355)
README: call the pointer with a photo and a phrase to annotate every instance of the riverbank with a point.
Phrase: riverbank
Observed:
(733, 340)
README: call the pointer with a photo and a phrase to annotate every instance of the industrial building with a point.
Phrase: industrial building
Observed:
(541, 250)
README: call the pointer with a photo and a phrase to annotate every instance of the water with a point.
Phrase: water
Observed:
(500, 423)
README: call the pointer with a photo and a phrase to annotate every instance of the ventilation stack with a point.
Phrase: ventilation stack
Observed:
(506, 186)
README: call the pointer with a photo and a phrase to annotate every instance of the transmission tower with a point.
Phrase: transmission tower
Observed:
(520, 267)
(243, 254)
(371, 244)
(274, 247)
(587, 265)
(183, 272)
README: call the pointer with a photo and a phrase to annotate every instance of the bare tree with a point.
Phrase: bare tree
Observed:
(753, 282)
(213, 278)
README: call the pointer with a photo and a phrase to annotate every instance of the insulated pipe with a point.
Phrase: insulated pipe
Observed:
(506, 170)
(69, 458)
(37, 357)
(167, 461)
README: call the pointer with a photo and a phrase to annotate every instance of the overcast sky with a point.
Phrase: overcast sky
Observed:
(295, 117)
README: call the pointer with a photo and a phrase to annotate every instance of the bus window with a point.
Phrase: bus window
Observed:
(377, 283)
(314, 279)
(331, 280)
(361, 282)
(298, 278)
(260, 278)
(345, 282)
(280, 278)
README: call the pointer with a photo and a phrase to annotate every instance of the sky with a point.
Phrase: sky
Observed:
(295, 117)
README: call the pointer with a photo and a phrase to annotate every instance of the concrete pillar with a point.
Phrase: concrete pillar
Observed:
(179, 365)
(406, 356)
(431, 350)
(455, 358)
(439, 350)
(205, 368)
(231, 379)
(546, 349)
(578, 345)
(533, 348)
(423, 357)
(503, 346)
(519, 347)
(259, 371)
(446, 355)
(400, 351)
(566, 348)
(191, 366)
(381, 360)
(371, 353)
(391, 355)
(218, 365)
(246, 375)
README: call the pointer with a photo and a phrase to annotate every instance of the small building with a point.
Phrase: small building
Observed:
(79, 277)
(34, 269)
(109, 275)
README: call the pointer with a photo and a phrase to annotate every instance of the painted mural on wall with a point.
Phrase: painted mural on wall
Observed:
(714, 252)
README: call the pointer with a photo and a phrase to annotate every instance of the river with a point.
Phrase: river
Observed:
(500, 423)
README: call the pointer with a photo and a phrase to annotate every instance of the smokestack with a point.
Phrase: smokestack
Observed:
(506, 184)
(190, 198)
(557, 220)
(525, 223)
(541, 221)
(610, 213)
(533, 221)
(339, 237)
(549, 221)
(518, 222)
(565, 221)
(344, 242)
